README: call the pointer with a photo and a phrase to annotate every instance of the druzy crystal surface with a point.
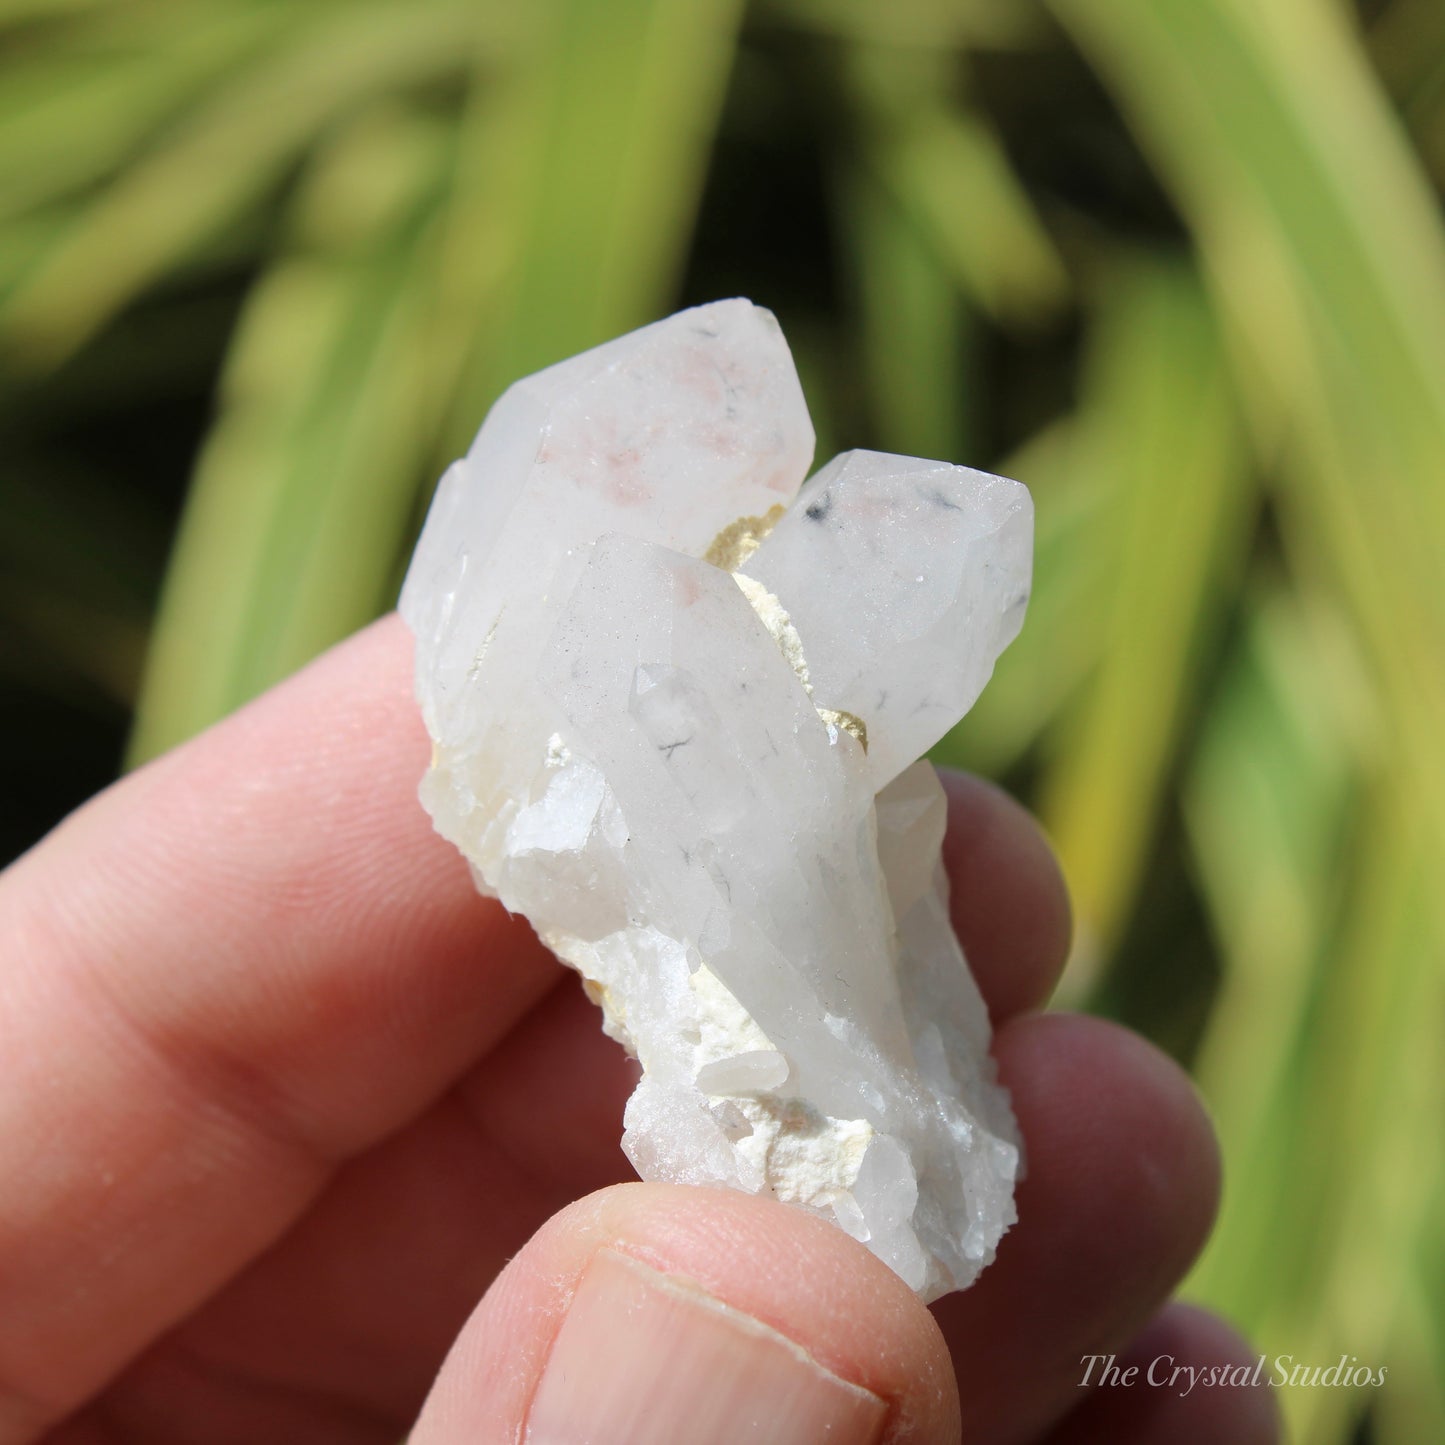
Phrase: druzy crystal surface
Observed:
(676, 695)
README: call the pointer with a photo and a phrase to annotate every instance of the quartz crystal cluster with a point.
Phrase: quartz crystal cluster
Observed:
(676, 695)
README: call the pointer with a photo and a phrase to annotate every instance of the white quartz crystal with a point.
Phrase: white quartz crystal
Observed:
(676, 704)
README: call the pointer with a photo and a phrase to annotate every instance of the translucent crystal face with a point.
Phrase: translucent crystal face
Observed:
(676, 704)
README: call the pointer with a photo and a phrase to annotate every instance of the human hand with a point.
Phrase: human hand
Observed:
(283, 1096)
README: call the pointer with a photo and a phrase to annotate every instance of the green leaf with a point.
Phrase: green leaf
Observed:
(911, 341)
(949, 173)
(1327, 256)
(930, 24)
(70, 114)
(224, 158)
(1320, 1062)
(23, 12)
(306, 484)
(1375, 1077)
(1326, 259)
(1168, 448)
(1269, 803)
(1413, 1408)
(25, 240)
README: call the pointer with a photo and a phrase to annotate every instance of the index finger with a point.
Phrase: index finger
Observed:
(229, 971)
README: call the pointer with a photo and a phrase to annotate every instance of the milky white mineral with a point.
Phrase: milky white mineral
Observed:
(676, 705)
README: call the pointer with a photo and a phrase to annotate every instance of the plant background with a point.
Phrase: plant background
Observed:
(1177, 264)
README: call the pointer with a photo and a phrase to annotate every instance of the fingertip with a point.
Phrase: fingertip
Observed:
(1009, 901)
(1113, 1124)
(682, 1311)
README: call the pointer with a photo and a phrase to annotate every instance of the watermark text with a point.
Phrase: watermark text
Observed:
(1163, 1372)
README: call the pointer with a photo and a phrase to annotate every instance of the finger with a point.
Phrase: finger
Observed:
(387, 1265)
(1122, 1185)
(658, 1313)
(389, 1261)
(238, 966)
(1008, 900)
(1193, 1383)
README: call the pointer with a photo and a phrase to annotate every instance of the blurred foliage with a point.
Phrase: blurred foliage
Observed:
(1177, 264)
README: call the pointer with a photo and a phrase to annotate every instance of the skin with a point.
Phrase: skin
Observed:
(284, 1096)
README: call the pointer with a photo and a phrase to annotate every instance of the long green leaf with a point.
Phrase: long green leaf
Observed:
(1321, 1060)
(919, 24)
(1269, 804)
(70, 114)
(1413, 1408)
(223, 159)
(305, 484)
(1328, 258)
(1179, 513)
(912, 333)
(949, 173)
(1372, 1072)
(22, 12)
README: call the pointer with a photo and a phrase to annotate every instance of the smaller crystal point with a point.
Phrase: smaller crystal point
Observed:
(907, 578)
(676, 710)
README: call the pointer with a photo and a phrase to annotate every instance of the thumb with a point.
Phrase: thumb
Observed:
(649, 1314)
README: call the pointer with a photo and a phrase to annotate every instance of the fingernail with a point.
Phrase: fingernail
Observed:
(642, 1359)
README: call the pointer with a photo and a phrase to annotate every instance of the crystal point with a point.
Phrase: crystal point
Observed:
(676, 704)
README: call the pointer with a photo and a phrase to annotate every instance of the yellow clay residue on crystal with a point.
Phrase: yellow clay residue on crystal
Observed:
(739, 540)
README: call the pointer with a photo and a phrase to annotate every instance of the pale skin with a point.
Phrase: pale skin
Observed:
(283, 1096)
